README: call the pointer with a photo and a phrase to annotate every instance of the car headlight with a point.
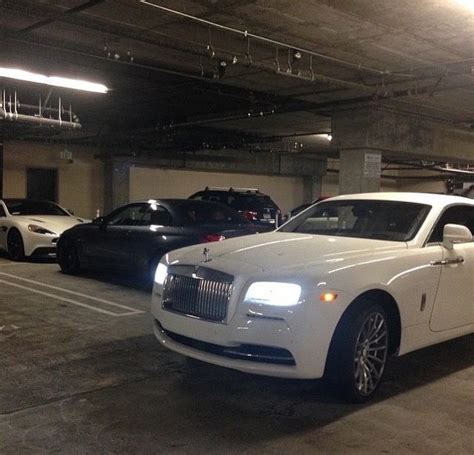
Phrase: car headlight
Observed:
(39, 229)
(161, 273)
(273, 293)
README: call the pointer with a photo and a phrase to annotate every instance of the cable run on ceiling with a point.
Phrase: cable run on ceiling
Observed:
(248, 35)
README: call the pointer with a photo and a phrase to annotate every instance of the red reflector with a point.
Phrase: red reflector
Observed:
(212, 238)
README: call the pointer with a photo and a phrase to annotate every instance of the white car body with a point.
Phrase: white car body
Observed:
(34, 242)
(433, 298)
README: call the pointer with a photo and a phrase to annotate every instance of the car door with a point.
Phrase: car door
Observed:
(108, 244)
(149, 236)
(454, 304)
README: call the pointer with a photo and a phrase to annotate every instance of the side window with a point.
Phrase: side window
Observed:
(131, 215)
(2, 212)
(157, 215)
(459, 214)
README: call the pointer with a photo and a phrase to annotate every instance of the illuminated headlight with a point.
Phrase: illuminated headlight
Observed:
(160, 274)
(39, 230)
(273, 293)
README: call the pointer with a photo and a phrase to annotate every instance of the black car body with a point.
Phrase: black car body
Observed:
(254, 206)
(134, 237)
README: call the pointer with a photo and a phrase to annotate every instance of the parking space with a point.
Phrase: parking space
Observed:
(82, 373)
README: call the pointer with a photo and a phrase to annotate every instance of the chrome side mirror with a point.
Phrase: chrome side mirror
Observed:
(455, 233)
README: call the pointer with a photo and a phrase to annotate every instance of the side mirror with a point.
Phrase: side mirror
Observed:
(70, 211)
(455, 233)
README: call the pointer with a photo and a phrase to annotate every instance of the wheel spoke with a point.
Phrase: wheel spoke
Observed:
(370, 353)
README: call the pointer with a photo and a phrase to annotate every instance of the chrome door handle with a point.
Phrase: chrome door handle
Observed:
(458, 260)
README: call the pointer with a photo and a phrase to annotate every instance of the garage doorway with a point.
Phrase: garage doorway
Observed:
(42, 184)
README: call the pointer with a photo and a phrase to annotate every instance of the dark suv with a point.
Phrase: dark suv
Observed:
(256, 207)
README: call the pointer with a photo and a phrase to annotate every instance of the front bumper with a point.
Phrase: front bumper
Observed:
(283, 342)
(40, 245)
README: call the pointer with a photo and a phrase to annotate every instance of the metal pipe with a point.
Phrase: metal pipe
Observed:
(22, 118)
(247, 34)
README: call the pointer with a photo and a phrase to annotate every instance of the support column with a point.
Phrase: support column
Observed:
(355, 133)
(359, 171)
(312, 187)
(116, 184)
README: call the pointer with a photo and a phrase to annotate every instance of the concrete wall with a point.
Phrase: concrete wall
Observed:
(287, 192)
(80, 183)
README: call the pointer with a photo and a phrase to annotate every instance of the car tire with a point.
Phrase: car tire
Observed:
(68, 258)
(359, 351)
(15, 245)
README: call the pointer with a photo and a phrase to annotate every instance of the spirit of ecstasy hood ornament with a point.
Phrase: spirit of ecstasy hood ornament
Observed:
(205, 255)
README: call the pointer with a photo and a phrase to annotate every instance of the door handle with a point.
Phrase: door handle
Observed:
(458, 260)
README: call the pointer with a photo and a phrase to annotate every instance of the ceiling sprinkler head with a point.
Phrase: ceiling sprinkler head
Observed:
(297, 54)
(234, 59)
(223, 63)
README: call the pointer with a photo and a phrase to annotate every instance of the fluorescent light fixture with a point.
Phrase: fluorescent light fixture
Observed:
(64, 82)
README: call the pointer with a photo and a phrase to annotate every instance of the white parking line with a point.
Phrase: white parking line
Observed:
(79, 294)
(73, 302)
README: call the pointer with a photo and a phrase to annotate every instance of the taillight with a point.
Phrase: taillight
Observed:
(212, 238)
(249, 215)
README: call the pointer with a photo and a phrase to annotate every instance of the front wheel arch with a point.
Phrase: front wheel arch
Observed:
(337, 371)
(390, 306)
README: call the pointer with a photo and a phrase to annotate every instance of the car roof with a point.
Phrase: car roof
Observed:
(420, 198)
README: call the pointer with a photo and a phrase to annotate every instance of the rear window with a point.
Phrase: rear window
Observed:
(251, 202)
(196, 213)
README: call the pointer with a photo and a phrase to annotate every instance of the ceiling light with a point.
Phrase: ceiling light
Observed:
(64, 82)
(326, 136)
(466, 3)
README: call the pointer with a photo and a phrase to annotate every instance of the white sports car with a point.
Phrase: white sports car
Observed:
(333, 292)
(32, 228)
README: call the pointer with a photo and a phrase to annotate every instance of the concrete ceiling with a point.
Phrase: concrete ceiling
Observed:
(165, 70)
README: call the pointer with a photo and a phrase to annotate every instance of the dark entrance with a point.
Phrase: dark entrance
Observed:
(42, 184)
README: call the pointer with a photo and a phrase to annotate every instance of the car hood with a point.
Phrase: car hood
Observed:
(57, 224)
(277, 251)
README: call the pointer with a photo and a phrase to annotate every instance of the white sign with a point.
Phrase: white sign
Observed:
(372, 165)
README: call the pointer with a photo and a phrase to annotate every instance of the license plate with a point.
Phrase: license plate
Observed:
(267, 216)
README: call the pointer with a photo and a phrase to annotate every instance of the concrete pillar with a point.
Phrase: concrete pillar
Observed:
(116, 184)
(359, 171)
(312, 186)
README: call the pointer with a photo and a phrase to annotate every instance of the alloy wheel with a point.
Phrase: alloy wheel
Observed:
(370, 353)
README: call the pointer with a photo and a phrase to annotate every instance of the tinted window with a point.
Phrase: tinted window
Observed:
(143, 214)
(2, 211)
(459, 214)
(383, 220)
(251, 202)
(195, 213)
(25, 207)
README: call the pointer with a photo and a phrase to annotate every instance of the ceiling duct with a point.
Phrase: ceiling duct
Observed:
(12, 110)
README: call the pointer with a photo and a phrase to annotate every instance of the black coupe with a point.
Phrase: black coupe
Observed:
(134, 237)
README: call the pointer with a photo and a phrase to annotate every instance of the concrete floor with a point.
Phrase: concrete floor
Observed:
(81, 374)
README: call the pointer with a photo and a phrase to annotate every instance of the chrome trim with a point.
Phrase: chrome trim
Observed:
(458, 260)
(197, 292)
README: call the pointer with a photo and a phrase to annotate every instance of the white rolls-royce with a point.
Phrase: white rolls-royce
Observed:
(32, 228)
(333, 292)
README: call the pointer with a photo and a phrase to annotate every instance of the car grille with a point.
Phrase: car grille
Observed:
(199, 292)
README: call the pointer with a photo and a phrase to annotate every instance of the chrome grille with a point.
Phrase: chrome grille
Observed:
(201, 293)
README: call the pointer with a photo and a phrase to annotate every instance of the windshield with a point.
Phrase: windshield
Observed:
(25, 207)
(200, 212)
(382, 220)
